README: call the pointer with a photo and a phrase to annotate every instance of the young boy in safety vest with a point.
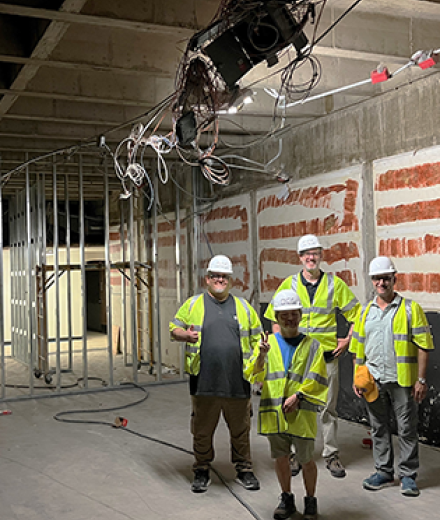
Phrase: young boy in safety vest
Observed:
(321, 294)
(294, 375)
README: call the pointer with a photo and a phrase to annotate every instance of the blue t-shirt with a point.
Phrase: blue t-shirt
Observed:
(288, 347)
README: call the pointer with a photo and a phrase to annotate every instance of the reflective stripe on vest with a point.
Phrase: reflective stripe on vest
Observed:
(273, 402)
(293, 376)
(179, 323)
(317, 330)
(358, 338)
(273, 376)
(408, 335)
(245, 333)
(349, 306)
(407, 359)
(421, 330)
(251, 331)
(331, 291)
(193, 301)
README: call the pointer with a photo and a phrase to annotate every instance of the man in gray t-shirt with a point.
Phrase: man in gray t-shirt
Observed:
(221, 332)
(221, 358)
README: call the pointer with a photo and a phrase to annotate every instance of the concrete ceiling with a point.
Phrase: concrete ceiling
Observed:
(74, 69)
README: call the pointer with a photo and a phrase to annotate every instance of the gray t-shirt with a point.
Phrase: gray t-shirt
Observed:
(221, 357)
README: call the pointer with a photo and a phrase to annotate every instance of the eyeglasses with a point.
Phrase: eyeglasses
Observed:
(315, 254)
(219, 276)
(384, 277)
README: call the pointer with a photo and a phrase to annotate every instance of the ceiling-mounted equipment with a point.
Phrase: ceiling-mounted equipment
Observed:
(248, 37)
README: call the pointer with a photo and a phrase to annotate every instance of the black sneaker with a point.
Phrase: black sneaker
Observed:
(310, 508)
(201, 481)
(295, 466)
(286, 507)
(248, 480)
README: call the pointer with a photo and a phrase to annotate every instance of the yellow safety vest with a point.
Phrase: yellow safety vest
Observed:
(319, 320)
(307, 374)
(192, 312)
(410, 332)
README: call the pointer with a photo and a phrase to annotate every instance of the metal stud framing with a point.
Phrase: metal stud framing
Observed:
(2, 321)
(42, 312)
(108, 286)
(156, 311)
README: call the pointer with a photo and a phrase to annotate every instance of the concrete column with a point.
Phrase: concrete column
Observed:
(368, 225)
(253, 230)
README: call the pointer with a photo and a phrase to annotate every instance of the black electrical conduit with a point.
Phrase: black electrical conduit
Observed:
(119, 423)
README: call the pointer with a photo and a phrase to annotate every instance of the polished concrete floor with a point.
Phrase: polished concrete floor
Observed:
(55, 471)
(18, 379)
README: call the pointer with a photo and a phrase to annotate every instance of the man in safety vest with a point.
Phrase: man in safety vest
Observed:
(220, 331)
(321, 294)
(292, 368)
(392, 338)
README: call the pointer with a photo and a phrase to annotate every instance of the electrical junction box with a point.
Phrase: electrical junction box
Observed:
(186, 129)
(229, 57)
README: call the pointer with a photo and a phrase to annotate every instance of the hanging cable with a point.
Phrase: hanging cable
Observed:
(120, 423)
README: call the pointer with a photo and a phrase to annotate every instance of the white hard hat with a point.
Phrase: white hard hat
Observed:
(220, 264)
(308, 242)
(286, 300)
(381, 265)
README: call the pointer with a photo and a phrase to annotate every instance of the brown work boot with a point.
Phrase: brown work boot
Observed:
(335, 466)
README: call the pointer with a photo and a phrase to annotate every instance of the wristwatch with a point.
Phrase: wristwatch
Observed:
(422, 380)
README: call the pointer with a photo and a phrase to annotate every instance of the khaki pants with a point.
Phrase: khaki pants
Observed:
(206, 412)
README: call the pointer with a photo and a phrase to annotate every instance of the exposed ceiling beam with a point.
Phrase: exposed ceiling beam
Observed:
(112, 124)
(424, 9)
(60, 120)
(80, 99)
(319, 50)
(86, 67)
(67, 142)
(72, 140)
(100, 21)
(334, 52)
(34, 150)
(42, 50)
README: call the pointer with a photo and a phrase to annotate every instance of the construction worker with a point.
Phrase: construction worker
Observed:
(392, 339)
(321, 294)
(293, 371)
(220, 331)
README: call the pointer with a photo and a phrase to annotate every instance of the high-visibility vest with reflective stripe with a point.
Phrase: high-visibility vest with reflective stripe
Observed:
(319, 320)
(307, 374)
(192, 312)
(410, 331)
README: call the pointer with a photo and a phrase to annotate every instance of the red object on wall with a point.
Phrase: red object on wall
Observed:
(429, 62)
(379, 75)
